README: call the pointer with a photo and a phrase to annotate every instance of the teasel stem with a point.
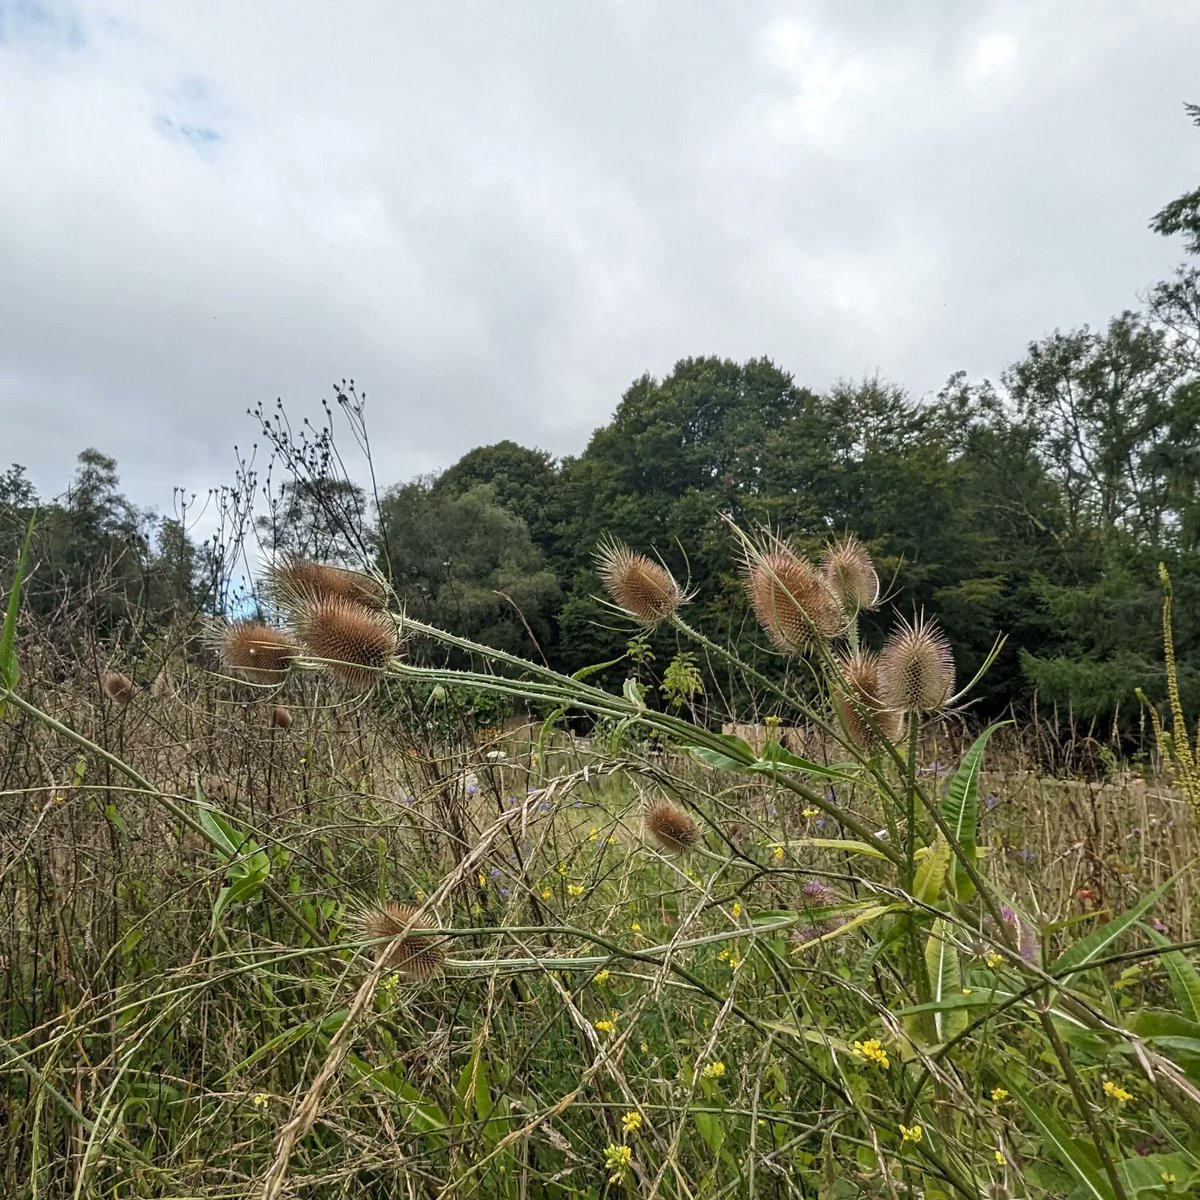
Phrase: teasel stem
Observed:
(910, 837)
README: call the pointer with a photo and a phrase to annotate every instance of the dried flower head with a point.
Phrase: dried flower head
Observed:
(642, 587)
(790, 598)
(281, 717)
(295, 579)
(354, 642)
(856, 698)
(418, 957)
(117, 687)
(673, 829)
(850, 574)
(257, 652)
(916, 668)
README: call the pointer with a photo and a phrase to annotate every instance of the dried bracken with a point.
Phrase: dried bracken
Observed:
(916, 668)
(281, 717)
(412, 957)
(671, 828)
(790, 598)
(117, 687)
(355, 643)
(294, 580)
(850, 574)
(642, 587)
(256, 651)
(856, 697)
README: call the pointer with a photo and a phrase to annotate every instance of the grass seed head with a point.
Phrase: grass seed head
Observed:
(790, 598)
(671, 828)
(412, 957)
(356, 643)
(117, 687)
(281, 717)
(916, 668)
(294, 580)
(257, 652)
(850, 574)
(642, 587)
(858, 702)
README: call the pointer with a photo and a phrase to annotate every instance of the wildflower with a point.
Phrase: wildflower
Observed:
(1115, 1092)
(1167, 1177)
(777, 854)
(482, 879)
(412, 957)
(612, 840)
(911, 1133)
(850, 574)
(575, 889)
(734, 962)
(713, 1070)
(724, 955)
(354, 642)
(998, 1094)
(998, 1155)
(561, 869)
(617, 1160)
(546, 893)
(735, 909)
(631, 1122)
(593, 834)
(635, 927)
(967, 991)
(810, 812)
(476, 910)
(673, 829)
(773, 721)
(117, 687)
(604, 1026)
(602, 976)
(991, 802)
(993, 960)
(792, 601)
(916, 668)
(872, 1051)
(644, 1047)
(260, 1099)
(643, 588)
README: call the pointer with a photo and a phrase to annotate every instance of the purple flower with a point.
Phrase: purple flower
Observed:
(471, 789)
(990, 802)
(1158, 926)
(505, 893)
(820, 824)
(1027, 857)
(1026, 936)
(494, 873)
(934, 768)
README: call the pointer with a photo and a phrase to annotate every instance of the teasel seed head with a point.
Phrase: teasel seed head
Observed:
(850, 574)
(294, 579)
(258, 652)
(790, 598)
(412, 957)
(856, 698)
(916, 668)
(637, 584)
(281, 718)
(355, 643)
(674, 830)
(117, 687)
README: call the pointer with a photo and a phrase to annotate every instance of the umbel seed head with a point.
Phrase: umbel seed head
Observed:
(281, 718)
(850, 574)
(916, 668)
(412, 957)
(791, 600)
(117, 687)
(642, 587)
(356, 643)
(294, 578)
(858, 702)
(257, 652)
(673, 829)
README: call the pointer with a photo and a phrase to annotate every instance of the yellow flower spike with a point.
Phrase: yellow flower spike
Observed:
(593, 834)
(735, 910)
(602, 976)
(872, 1051)
(635, 927)
(604, 1026)
(617, 1160)
(993, 960)
(482, 879)
(546, 893)
(912, 1133)
(998, 1155)
(777, 854)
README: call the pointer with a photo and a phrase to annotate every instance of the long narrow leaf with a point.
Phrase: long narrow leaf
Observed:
(945, 980)
(1078, 1158)
(1185, 980)
(960, 809)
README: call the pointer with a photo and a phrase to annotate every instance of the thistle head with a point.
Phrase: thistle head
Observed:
(790, 598)
(257, 652)
(117, 687)
(281, 717)
(294, 579)
(672, 829)
(418, 957)
(857, 700)
(355, 643)
(847, 569)
(643, 588)
(916, 668)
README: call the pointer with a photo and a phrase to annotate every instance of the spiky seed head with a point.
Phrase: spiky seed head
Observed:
(791, 600)
(856, 698)
(256, 651)
(294, 579)
(642, 587)
(281, 718)
(673, 829)
(355, 642)
(850, 574)
(815, 894)
(412, 957)
(117, 687)
(916, 668)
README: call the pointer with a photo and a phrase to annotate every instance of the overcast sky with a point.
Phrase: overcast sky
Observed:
(495, 214)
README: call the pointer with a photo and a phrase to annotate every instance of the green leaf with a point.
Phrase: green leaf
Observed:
(1185, 980)
(850, 846)
(931, 874)
(10, 671)
(960, 810)
(945, 979)
(1079, 1159)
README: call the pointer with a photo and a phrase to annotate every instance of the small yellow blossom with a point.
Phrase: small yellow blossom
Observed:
(575, 889)
(872, 1051)
(777, 854)
(999, 1094)
(562, 868)
(482, 879)
(604, 1026)
(998, 1155)
(735, 910)
(631, 1122)
(260, 1100)
(612, 840)
(773, 721)
(644, 1047)
(713, 1070)
(476, 910)
(912, 1133)
(602, 976)
(617, 1160)
(993, 960)
(1115, 1092)
(810, 812)
(967, 991)
(724, 955)
(1167, 1177)
(593, 834)
(546, 893)
(734, 962)
(635, 927)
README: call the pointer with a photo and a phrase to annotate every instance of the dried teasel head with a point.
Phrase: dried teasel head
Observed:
(417, 957)
(117, 687)
(355, 643)
(671, 828)
(637, 584)
(916, 667)
(790, 598)
(848, 570)
(281, 717)
(258, 652)
(857, 700)
(294, 579)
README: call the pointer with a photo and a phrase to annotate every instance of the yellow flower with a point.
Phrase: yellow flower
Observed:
(546, 893)
(617, 1160)
(777, 854)
(998, 1155)
(736, 909)
(604, 1026)
(999, 1094)
(631, 1122)
(1115, 1092)
(575, 889)
(993, 960)
(1167, 1177)
(644, 1047)
(734, 962)
(260, 1100)
(635, 927)
(773, 721)
(612, 840)
(602, 976)
(593, 834)
(476, 910)
(810, 812)
(967, 991)
(482, 879)
(562, 868)
(872, 1051)
(713, 1070)
(911, 1133)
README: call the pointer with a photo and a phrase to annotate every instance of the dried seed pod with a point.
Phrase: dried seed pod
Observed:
(857, 700)
(642, 587)
(916, 668)
(850, 574)
(355, 643)
(673, 829)
(117, 687)
(790, 598)
(281, 717)
(413, 957)
(294, 579)
(256, 651)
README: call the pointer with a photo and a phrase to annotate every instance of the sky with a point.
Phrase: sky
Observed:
(494, 215)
